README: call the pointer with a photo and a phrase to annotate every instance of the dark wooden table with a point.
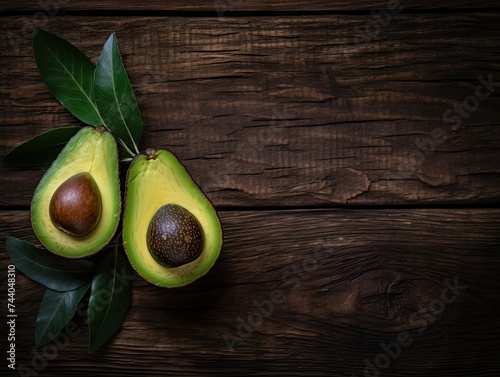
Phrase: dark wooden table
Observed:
(352, 153)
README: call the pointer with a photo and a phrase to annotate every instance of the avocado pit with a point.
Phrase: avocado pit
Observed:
(174, 236)
(75, 207)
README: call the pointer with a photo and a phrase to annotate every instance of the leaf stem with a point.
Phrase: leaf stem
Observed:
(127, 149)
(135, 145)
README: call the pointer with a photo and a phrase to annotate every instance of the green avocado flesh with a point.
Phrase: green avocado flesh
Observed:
(157, 180)
(90, 159)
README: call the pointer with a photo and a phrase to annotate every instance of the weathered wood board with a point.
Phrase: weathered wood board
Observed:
(289, 111)
(221, 7)
(343, 284)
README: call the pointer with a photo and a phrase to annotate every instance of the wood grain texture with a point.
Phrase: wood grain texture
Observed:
(222, 6)
(314, 112)
(350, 280)
(290, 111)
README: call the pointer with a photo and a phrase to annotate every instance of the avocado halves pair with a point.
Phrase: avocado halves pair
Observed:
(171, 232)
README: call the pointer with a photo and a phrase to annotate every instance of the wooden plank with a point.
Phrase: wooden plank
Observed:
(223, 6)
(291, 111)
(351, 280)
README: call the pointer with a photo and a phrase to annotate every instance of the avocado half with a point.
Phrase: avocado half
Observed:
(157, 179)
(91, 153)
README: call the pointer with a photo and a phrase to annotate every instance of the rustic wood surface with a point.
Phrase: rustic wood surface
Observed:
(351, 280)
(223, 6)
(282, 119)
(289, 111)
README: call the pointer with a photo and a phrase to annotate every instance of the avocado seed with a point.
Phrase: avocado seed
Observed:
(75, 207)
(174, 236)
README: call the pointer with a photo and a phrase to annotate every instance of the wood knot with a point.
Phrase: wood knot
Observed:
(383, 296)
(347, 184)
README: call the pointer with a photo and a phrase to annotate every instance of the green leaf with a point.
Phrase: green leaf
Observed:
(52, 271)
(68, 73)
(109, 299)
(115, 97)
(56, 310)
(41, 150)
